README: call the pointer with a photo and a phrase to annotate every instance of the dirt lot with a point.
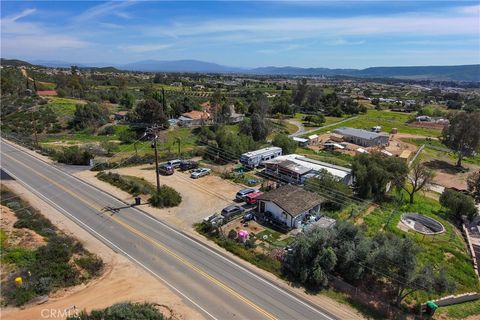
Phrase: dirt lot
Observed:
(200, 197)
(122, 280)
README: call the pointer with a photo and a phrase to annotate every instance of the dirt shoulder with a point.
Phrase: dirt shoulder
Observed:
(121, 281)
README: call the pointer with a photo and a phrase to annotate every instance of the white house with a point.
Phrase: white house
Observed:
(289, 205)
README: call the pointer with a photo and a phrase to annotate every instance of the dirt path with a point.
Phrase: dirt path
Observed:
(122, 281)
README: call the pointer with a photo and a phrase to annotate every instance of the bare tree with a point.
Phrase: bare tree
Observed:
(417, 179)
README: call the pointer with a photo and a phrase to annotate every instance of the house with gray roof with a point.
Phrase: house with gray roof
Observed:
(289, 205)
(362, 137)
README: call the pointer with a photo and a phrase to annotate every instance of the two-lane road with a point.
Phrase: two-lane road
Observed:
(218, 287)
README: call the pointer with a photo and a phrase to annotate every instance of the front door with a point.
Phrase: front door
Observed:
(262, 206)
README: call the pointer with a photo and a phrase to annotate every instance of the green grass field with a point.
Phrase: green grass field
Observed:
(432, 152)
(387, 120)
(63, 107)
(446, 250)
(458, 311)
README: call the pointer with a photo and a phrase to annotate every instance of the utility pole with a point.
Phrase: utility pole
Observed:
(34, 127)
(153, 133)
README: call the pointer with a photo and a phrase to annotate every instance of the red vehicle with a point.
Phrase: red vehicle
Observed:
(251, 198)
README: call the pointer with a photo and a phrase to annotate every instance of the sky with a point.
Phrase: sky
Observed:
(333, 34)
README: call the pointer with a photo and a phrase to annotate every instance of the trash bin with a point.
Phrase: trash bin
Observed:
(431, 307)
(137, 200)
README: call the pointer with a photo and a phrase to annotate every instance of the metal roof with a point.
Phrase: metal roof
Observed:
(360, 133)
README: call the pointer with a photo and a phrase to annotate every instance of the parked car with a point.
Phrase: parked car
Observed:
(240, 196)
(188, 165)
(165, 169)
(231, 211)
(251, 198)
(200, 172)
(175, 163)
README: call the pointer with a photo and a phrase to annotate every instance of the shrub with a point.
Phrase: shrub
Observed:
(74, 155)
(232, 234)
(458, 204)
(91, 263)
(127, 136)
(133, 186)
(168, 197)
(108, 130)
(119, 311)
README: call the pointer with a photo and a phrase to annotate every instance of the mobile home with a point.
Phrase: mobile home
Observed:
(253, 159)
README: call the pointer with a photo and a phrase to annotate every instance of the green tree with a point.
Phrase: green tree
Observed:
(300, 92)
(462, 135)
(149, 111)
(312, 259)
(372, 173)
(458, 204)
(287, 144)
(89, 115)
(127, 100)
(473, 183)
(397, 257)
(281, 104)
(327, 184)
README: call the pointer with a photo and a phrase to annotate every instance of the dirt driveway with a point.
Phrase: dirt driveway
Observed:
(200, 197)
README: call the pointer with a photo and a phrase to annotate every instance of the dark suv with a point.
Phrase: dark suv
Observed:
(188, 165)
(165, 170)
(231, 211)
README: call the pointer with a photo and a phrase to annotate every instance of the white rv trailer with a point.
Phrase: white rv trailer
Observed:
(253, 159)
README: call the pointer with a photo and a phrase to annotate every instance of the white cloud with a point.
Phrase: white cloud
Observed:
(281, 49)
(343, 42)
(20, 15)
(457, 21)
(103, 9)
(12, 46)
(140, 48)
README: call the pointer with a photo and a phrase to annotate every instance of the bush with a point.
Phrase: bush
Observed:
(232, 234)
(133, 186)
(168, 197)
(74, 155)
(47, 268)
(28, 217)
(458, 204)
(120, 311)
(127, 136)
(91, 263)
(108, 130)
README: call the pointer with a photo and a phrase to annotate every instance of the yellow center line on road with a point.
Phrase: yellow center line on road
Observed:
(155, 242)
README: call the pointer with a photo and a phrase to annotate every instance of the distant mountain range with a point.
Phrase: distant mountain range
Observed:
(440, 73)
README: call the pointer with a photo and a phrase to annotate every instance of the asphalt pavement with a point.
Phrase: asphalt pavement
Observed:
(218, 287)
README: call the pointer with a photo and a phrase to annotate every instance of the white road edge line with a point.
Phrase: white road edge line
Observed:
(184, 236)
(78, 221)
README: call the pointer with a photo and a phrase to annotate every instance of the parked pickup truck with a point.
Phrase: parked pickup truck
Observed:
(251, 198)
